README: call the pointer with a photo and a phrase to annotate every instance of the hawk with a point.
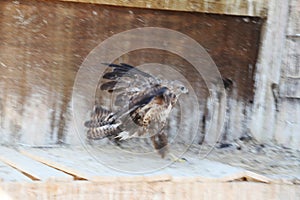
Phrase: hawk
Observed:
(144, 104)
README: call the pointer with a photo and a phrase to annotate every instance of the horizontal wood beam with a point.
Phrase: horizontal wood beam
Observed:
(123, 189)
(256, 8)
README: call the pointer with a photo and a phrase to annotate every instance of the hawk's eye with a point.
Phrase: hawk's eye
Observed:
(182, 88)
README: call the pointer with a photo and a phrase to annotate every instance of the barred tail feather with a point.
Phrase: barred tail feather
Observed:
(103, 131)
(99, 112)
(95, 124)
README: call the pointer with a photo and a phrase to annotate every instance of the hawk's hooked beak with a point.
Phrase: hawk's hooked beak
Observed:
(184, 90)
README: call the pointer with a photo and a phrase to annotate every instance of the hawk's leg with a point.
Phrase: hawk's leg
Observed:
(160, 142)
(115, 140)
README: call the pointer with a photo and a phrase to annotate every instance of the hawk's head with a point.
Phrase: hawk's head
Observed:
(179, 88)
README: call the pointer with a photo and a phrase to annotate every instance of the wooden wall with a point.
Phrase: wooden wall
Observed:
(288, 114)
(43, 43)
(276, 108)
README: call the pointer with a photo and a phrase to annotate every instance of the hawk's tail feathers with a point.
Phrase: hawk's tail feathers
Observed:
(101, 132)
(95, 123)
(102, 124)
(99, 112)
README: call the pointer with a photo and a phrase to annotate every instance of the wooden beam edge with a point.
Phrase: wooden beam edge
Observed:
(255, 8)
(77, 175)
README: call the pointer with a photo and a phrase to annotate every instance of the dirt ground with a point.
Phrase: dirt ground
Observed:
(267, 159)
(271, 160)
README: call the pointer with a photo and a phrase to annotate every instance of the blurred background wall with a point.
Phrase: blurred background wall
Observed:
(255, 45)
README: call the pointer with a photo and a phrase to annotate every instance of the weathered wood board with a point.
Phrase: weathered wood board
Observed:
(231, 7)
(293, 28)
(35, 170)
(9, 174)
(88, 190)
(288, 101)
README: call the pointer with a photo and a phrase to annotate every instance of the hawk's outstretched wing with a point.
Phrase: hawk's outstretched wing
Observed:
(128, 82)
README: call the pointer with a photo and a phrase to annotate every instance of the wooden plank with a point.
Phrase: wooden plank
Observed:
(291, 88)
(9, 174)
(58, 162)
(247, 176)
(35, 170)
(291, 65)
(144, 190)
(77, 162)
(243, 7)
(294, 15)
(72, 162)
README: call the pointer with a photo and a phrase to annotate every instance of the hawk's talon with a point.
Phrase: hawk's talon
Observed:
(177, 159)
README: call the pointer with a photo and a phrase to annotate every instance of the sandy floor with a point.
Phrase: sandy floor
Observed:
(267, 159)
(136, 156)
